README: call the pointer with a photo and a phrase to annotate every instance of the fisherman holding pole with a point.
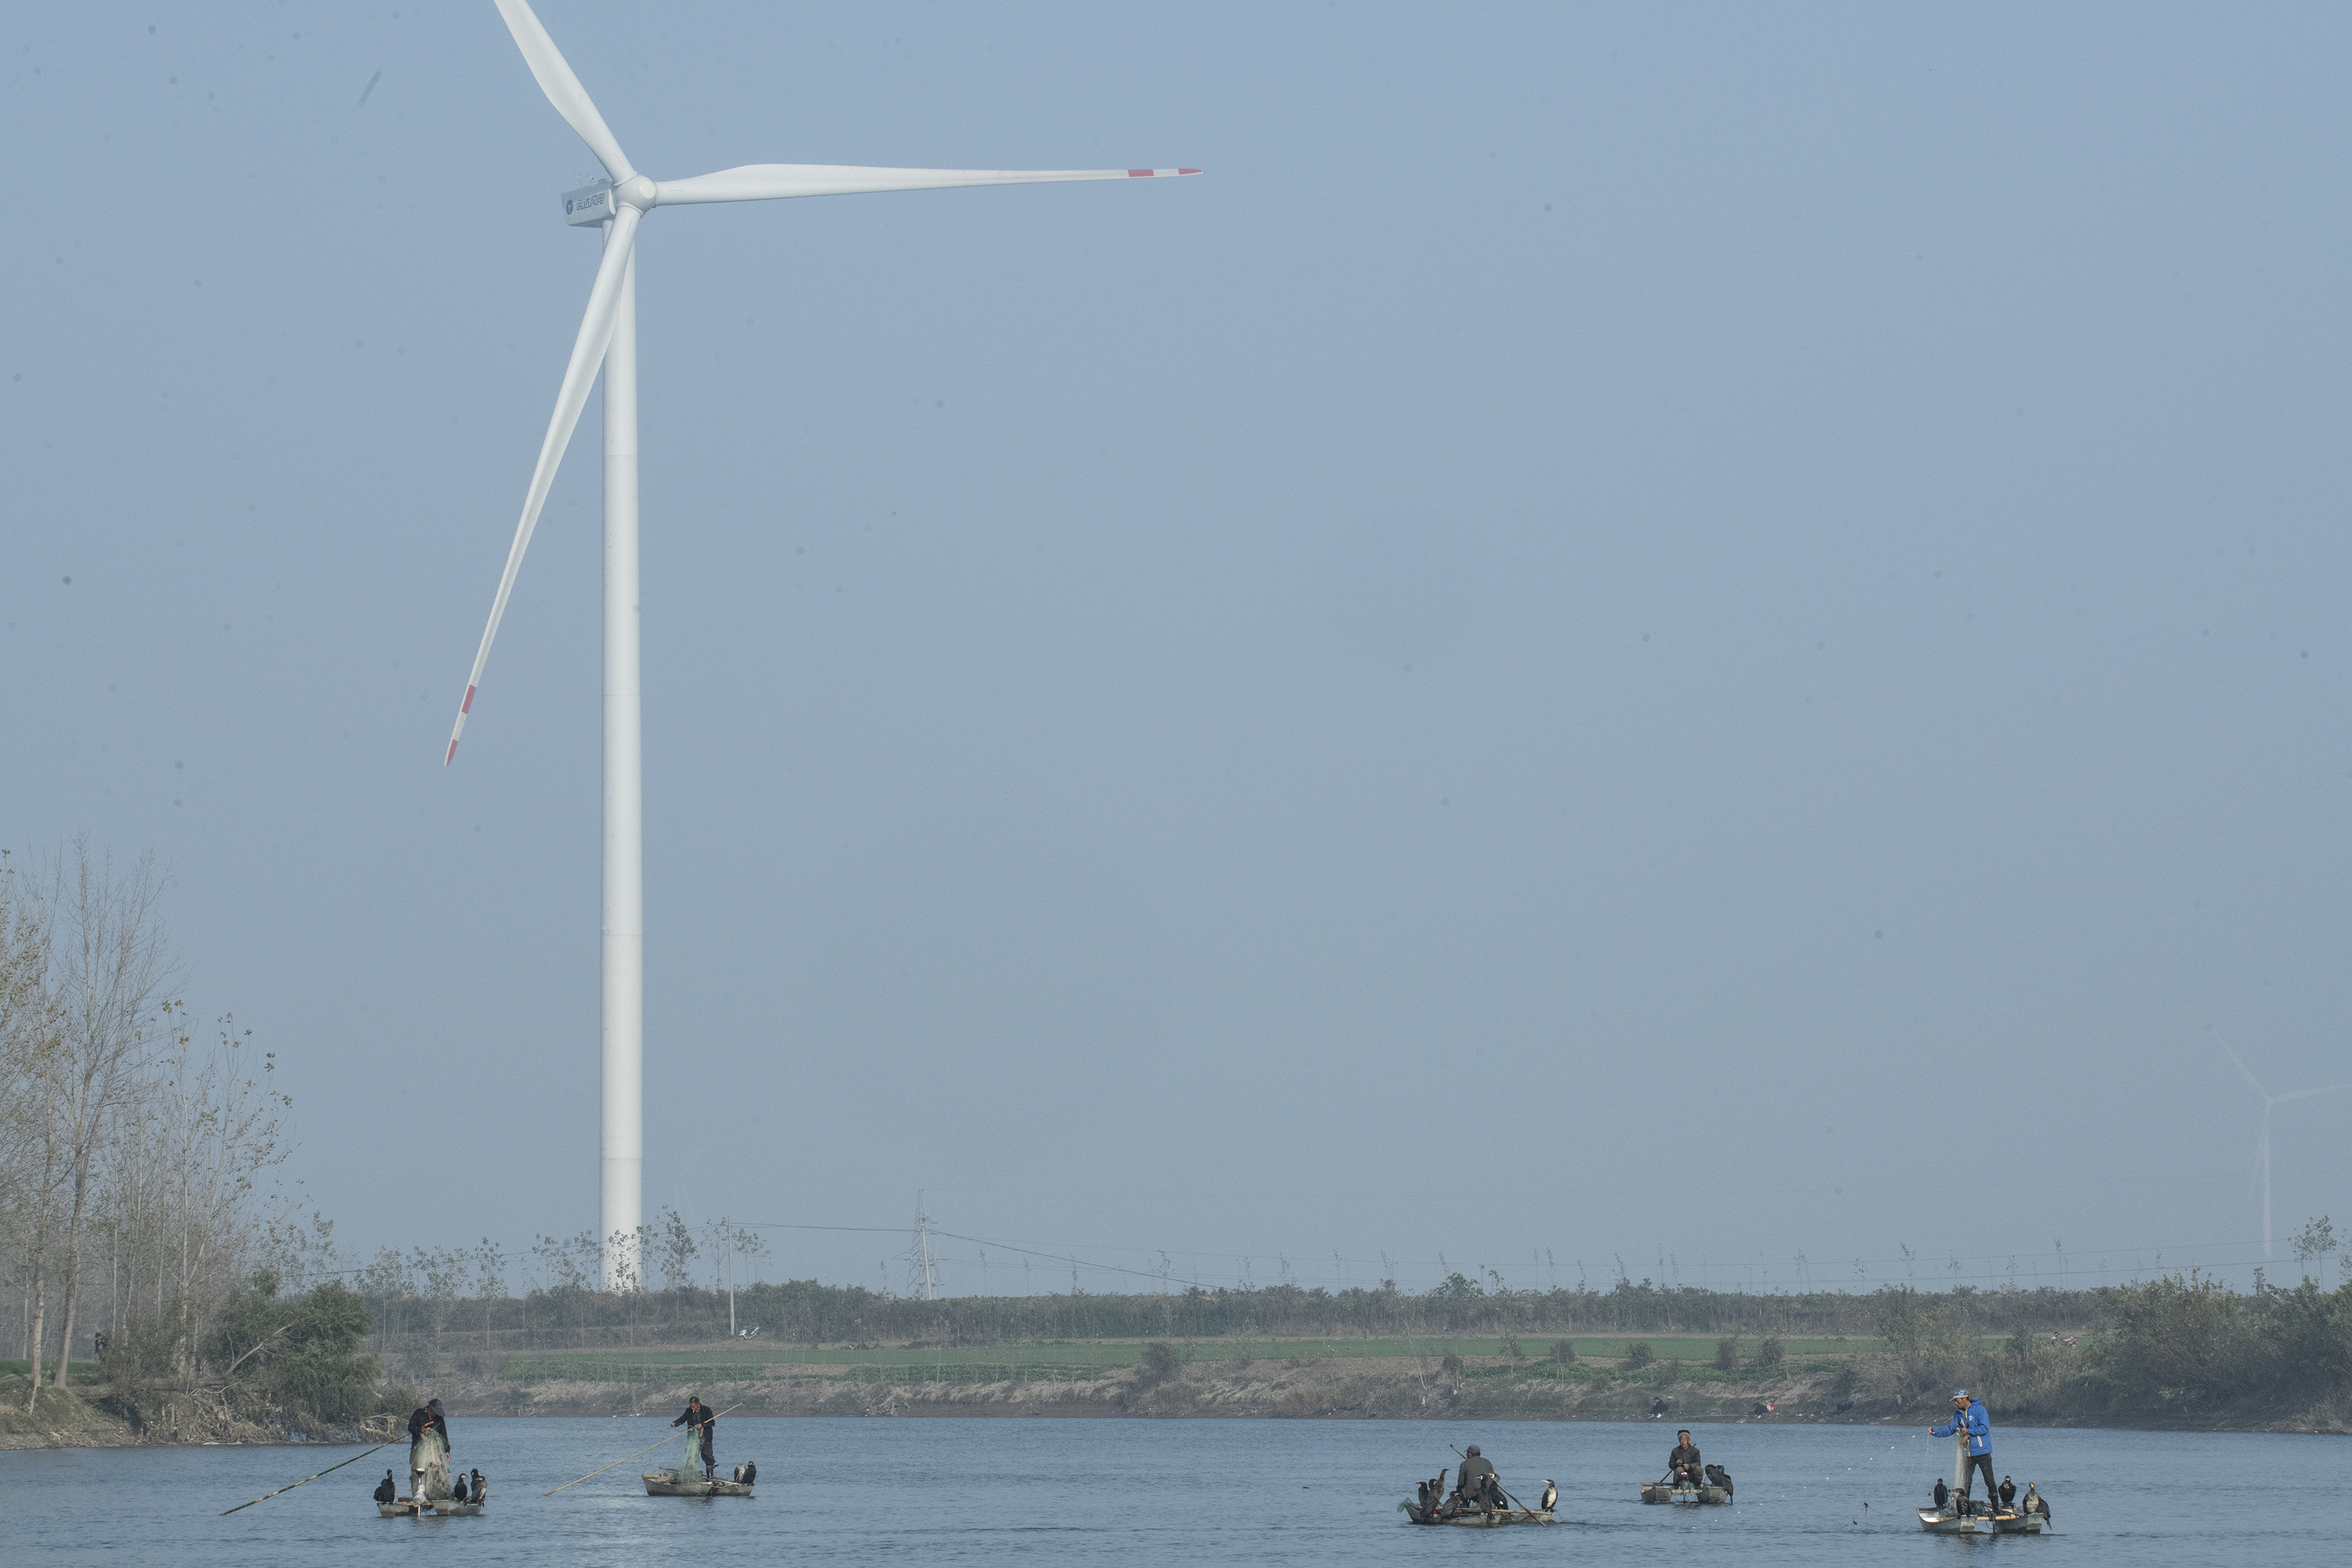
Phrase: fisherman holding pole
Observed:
(1969, 1417)
(698, 1420)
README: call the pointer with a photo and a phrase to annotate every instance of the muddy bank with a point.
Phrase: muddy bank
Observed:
(90, 1415)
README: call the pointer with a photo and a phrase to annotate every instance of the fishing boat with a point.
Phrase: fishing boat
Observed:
(672, 1483)
(1944, 1521)
(1477, 1518)
(431, 1508)
(428, 1458)
(1687, 1496)
(687, 1479)
(2011, 1522)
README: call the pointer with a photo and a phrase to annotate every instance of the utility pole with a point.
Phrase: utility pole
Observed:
(920, 1265)
(731, 1279)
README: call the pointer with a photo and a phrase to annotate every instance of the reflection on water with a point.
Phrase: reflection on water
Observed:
(1046, 1490)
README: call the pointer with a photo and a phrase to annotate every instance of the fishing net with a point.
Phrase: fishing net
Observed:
(429, 1454)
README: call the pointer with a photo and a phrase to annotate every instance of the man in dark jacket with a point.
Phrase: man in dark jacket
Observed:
(698, 1418)
(1477, 1484)
(1682, 1465)
(426, 1417)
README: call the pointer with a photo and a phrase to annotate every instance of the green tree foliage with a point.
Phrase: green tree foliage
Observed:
(2181, 1336)
(298, 1352)
(1769, 1354)
(1727, 1356)
(1640, 1355)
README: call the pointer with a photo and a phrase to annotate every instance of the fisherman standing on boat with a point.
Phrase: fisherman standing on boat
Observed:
(1969, 1416)
(698, 1418)
(426, 1418)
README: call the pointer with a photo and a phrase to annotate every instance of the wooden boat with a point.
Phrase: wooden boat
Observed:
(1688, 1497)
(433, 1508)
(1944, 1521)
(1475, 1519)
(670, 1483)
(687, 1479)
(2008, 1521)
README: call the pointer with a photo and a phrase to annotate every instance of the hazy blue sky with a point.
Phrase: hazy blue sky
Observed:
(1695, 630)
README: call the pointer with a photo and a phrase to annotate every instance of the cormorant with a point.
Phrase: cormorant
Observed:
(385, 1491)
(1550, 1495)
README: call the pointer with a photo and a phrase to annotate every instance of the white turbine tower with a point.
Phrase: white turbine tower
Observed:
(2263, 1144)
(608, 338)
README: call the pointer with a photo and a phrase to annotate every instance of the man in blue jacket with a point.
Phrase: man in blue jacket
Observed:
(1969, 1416)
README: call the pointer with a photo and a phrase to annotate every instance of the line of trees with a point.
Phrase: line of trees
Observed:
(454, 1300)
(135, 1151)
(2182, 1349)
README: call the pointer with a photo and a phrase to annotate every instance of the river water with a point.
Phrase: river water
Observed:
(1050, 1492)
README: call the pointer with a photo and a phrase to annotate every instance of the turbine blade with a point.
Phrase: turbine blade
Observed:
(2308, 1094)
(587, 354)
(2250, 1081)
(563, 89)
(772, 182)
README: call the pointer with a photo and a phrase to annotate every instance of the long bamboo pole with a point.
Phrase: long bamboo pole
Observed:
(305, 1480)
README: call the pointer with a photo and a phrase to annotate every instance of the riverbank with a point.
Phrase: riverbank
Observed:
(1305, 1383)
(88, 1413)
(1836, 1384)
(61, 1419)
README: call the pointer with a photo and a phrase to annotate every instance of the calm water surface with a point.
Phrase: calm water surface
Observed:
(1061, 1491)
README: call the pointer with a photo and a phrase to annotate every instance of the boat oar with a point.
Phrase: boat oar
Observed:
(625, 1458)
(305, 1480)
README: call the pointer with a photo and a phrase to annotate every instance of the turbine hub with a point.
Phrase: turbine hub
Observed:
(637, 192)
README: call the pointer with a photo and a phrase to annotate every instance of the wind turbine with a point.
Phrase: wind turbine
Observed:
(2263, 1145)
(608, 338)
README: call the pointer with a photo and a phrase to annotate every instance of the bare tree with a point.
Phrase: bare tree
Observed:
(110, 964)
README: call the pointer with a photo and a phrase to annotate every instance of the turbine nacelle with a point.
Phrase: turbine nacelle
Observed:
(595, 204)
(590, 207)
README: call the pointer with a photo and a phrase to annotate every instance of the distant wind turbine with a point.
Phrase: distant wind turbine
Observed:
(2263, 1144)
(608, 341)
